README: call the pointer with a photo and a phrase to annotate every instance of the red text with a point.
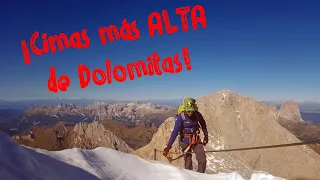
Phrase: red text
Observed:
(121, 73)
(77, 40)
(63, 82)
(182, 11)
(128, 32)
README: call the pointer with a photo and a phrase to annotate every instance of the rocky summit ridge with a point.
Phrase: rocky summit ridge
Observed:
(238, 121)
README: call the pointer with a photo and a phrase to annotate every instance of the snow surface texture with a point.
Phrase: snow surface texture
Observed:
(25, 163)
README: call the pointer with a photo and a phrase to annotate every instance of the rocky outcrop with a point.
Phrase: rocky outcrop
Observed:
(290, 111)
(242, 122)
(236, 121)
(93, 135)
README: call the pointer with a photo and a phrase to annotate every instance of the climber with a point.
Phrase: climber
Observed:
(115, 146)
(59, 138)
(32, 134)
(188, 124)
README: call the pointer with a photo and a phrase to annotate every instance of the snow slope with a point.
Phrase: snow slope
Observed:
(24, 163)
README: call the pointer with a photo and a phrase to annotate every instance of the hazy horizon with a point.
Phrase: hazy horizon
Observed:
(161, 99)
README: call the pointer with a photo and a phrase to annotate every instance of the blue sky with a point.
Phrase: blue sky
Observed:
(268, 50)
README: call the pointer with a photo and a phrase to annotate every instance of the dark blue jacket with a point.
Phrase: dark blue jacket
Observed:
(193, 122)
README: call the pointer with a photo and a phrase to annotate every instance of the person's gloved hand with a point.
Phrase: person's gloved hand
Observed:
(205, 140)
(166, 151)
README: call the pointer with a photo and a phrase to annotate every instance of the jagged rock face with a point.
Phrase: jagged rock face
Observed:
(242, 122)
(290, 111)
(93, 135)
(48, 137)
(98, 109)
(135, 137)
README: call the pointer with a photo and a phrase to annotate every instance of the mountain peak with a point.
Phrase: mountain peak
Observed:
(93, 135)
(290, 111)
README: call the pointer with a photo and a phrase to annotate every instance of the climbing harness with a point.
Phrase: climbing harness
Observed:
(193, 139)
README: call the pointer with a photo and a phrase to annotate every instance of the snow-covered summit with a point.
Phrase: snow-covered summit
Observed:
(25, 163)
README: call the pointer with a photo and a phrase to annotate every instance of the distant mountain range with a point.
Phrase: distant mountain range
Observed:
(304, 106)
(310, 110)
(132, 114)
(27, 103)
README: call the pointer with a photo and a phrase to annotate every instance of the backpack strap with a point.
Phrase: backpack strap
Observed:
(183, 116)
(182, 125)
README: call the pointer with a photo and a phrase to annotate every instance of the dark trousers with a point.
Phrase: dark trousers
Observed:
(198, 149)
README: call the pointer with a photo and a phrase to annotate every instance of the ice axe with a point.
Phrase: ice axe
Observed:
(193, 141)
(170, 159)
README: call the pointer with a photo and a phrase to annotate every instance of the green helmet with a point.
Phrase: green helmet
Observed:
(190, 104)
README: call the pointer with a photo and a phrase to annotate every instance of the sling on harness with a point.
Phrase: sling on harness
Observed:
(190, 131)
